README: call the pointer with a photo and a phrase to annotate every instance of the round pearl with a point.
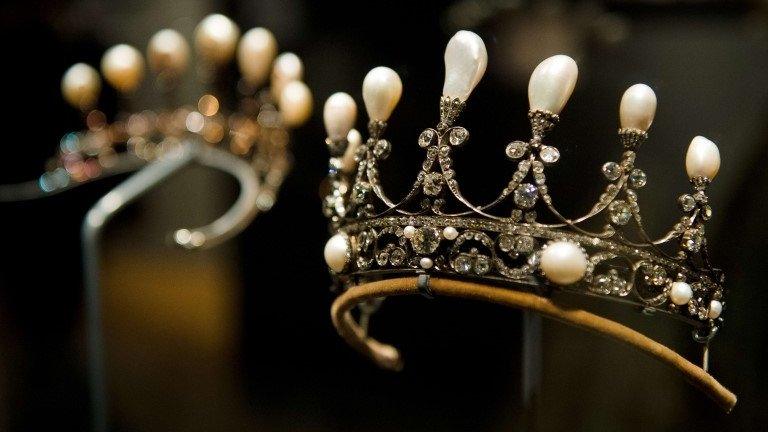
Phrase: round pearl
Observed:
(715, 309)
(638, 107)
(337, 252)
(426, 263)
(702, 159)
(409, 231)
(295, 103)
(287, 67)
(80, 86)
(168, 52)
(450, 233)
(255, 54)
(680, 293)
(563, 262)
(552, 83)
(354, 139)
(382, 89)
(123, 67)
(339, 114)
(465, 61)
(216, 38)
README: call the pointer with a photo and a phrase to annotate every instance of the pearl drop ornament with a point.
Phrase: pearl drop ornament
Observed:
(382, 89)
(409, 231)
(80, 86)
(465, 61)
(680, 293)
(339, 114)
(426, 263)
(637, 108)
(295, 103)
(255, 54)
(337, 252)
(354, 139)
(702, 159)
(168, 52)
(123, 67)
(563, 262)
(450, 233)
(216, 39)
(715, 309)
(287, 67)
(552, 83)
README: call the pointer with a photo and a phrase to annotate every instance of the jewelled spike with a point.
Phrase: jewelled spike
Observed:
(382, 89)
(216, 39)
(702, 159)
(168, 53)
(255, 54)
(552, 83)
(80, 86)
(465, 61)
(637, 108)
(339, 114)
(123, 67)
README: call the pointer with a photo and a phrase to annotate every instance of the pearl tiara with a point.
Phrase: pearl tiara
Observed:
(520, 241)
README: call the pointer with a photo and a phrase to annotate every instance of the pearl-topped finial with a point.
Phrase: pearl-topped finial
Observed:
(465, 61)
(168, 53)
(287, 67)
(637, 108)
(702, 159)
(552, 83)
(295, 103)
(123, 67)
(81, 86)
(337, 252)
(216, 38)
(255, 54)
(382, 89)
(563, 262)
(339, 114)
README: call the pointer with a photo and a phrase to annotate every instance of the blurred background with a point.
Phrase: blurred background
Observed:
(240, 338)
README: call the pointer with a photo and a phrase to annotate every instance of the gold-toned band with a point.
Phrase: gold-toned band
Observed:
(387, 356)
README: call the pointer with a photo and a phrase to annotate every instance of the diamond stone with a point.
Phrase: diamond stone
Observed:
(426, 137)
(433, 184)
(382, 149)
(397, 256)
(458, 136)
(637, 178)
(687, 202)
(526, 195)
(693, 239)
(462, 264)
(612, 171)
(506, 243)
(549, 154)
(426, 240)
(619, 212)
(516, 149)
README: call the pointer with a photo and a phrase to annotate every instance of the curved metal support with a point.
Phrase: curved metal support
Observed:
(120, 197)
(238, 216)
(32, 190)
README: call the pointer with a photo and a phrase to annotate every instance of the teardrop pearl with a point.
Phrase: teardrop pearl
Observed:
(339, 114)
(354, 139)
(337, 252)
(80, 86)
(465, 63)
(295, 104)
(382, 89)
(123, 67)
(702, 159)
(216, 38)
(255, 54)
(680, 293)
(563, 262)
(168, 53)
(286, 68)
(638, 107)
(715, 309)
(552, 83)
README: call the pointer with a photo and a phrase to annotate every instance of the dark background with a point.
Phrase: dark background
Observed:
(239, 338)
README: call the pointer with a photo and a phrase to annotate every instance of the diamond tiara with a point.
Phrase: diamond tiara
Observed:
(272, 100)
(437, 230)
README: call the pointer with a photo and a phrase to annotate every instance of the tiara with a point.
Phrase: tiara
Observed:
(437, 240)
(272, 99)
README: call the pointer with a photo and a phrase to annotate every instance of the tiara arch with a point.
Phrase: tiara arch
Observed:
(384, 247)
